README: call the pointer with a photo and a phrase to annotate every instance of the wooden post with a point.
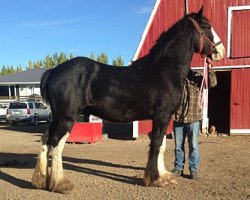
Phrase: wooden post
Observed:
(186, 7)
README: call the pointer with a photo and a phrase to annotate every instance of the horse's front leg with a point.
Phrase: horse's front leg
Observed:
(155, 173)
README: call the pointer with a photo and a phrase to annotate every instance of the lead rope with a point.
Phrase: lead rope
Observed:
(204, 85)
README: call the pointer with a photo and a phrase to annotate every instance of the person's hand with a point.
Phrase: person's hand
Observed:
(209, 62)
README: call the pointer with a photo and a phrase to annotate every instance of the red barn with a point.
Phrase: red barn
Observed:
(229, 101)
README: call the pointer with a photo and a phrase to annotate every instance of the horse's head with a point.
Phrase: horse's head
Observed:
(207, 42)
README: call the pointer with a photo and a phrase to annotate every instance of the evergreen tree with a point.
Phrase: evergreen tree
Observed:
(71, 56)
(92, 56)
(10, 70)
(102, 58)
(48, 61)
(19, 68)
(119, 61)
(4, 70)
(38, 64)
(30, 65)
(35, 64)
(55, 59)
(62, 57)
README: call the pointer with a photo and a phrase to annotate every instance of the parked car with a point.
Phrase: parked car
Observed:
(28, 111)
(3, 112)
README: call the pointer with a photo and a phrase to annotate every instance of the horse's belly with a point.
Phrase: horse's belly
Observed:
(128, 115)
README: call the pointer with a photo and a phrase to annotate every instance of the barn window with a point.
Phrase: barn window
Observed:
(238, 32)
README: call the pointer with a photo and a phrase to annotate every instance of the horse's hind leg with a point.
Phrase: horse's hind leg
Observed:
(155, 173)
(41, 170)
(57, 181)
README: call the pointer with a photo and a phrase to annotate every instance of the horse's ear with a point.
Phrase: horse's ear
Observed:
(200, 12)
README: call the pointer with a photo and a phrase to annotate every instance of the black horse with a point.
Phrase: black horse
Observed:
(150, 88)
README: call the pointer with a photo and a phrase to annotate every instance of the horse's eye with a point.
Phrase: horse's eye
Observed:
(206, 26)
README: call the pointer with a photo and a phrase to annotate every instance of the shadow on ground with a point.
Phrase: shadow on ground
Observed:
(24, 127)
(28, 161)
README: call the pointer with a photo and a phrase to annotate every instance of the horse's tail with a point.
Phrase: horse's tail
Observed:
(43, 85)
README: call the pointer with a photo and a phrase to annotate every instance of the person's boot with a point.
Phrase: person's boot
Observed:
(193, 175)
(177, 172)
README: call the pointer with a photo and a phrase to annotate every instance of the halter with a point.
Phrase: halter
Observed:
(203, 37)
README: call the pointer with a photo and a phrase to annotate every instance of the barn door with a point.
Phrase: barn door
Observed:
(240, 102)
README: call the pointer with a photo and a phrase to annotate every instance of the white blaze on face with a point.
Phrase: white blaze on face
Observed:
(160, 160)
(219, 48)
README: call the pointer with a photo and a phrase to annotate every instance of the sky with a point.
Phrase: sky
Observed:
(32, 29)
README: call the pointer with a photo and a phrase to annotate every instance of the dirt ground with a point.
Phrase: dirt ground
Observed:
(113, 169)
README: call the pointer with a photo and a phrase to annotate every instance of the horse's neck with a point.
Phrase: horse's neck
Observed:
(178, 56)
(175, 56)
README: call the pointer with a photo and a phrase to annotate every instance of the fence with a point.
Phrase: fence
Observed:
(7, 99)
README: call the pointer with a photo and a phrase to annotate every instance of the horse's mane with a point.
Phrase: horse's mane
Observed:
(161, 46)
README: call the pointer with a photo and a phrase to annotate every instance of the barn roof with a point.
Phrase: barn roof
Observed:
(32, 76)
(145, 32)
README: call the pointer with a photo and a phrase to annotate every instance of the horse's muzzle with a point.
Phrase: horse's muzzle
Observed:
(220, 53)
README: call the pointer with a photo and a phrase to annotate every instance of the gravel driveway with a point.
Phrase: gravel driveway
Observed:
(113, 169)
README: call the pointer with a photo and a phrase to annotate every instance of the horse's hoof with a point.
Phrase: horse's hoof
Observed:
(162, 181)
(39, 180)
(61, 186)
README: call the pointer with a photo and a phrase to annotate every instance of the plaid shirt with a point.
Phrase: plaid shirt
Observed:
(189, 111)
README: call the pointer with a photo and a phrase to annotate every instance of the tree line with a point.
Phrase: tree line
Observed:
(53, 60)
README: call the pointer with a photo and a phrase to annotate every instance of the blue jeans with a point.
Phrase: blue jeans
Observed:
(191, 131)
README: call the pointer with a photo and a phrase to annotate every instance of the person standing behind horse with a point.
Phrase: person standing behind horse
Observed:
(187, 122)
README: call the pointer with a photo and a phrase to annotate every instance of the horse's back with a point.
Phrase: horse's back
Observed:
(80, 82)
(68, 83)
